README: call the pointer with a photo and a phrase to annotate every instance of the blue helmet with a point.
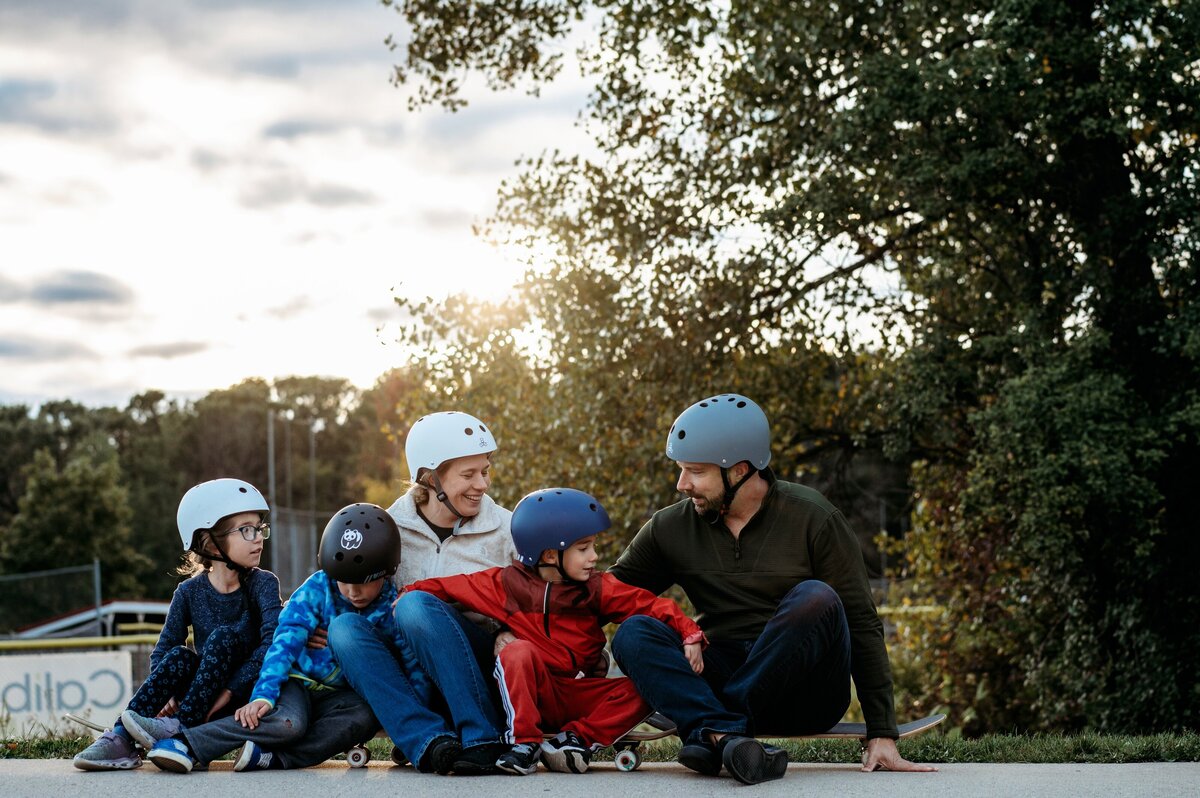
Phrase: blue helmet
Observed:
(554, 518)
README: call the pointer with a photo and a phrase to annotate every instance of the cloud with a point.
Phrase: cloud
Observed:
(169, 350)
(40, 350)
(291, 309)
(47, 107)
(80, 288)
(298, 128)
(285, 190)
(446, 218)
(10, 290)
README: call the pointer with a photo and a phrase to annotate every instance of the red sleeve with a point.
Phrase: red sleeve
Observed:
(479, 592)
(619, 601)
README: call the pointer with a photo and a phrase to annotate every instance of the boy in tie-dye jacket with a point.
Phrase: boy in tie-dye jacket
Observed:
(301, 710)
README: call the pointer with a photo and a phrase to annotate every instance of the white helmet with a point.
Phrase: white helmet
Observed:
(207, 503)
(439, 437)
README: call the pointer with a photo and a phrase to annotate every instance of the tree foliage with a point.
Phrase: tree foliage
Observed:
(976, 224)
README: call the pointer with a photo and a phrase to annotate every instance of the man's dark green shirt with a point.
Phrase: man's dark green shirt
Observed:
(736, 584)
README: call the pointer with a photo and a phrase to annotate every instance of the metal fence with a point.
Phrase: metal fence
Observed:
(34, 597)
(292, 549)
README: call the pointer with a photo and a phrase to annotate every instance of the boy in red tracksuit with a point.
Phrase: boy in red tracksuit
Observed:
(556, 604)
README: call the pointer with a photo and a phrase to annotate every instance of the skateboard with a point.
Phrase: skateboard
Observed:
(82, 721)
(627, 757)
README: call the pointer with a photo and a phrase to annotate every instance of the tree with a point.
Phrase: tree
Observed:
(68, 516)
(985, 217)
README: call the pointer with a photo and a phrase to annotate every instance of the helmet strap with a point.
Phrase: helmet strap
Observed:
(241, 570)
(712, 516)
(436, 487)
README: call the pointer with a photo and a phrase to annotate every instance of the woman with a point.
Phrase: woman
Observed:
(448, 525)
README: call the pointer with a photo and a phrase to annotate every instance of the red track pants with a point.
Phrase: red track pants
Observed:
(538, 701)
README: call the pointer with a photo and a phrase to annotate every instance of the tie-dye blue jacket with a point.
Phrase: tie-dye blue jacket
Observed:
(314, 604)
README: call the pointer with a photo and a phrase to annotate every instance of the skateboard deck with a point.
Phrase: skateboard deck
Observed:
(841, 731)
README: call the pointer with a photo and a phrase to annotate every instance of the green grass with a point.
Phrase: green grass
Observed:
(932, 747)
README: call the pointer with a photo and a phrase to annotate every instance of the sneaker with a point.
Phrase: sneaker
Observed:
(521, 759)
(252, 757)
(171, 754)
(479, 760)
(440, 754)
(111, 751)
(398, 757)
(565, 752)
(148, 731)
(701, 756)
(752, 762)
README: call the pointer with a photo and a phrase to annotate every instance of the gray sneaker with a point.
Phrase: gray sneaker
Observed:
(111, 751)
(149, 731)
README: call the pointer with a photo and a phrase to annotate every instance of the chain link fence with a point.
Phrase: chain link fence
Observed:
(39, 596)
(292, 549)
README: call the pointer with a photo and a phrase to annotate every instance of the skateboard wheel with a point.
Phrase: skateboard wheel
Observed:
(358, 757)
(627, 760)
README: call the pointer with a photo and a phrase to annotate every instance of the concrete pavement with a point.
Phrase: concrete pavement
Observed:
(56, 777)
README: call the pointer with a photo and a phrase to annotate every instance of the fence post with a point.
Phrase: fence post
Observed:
(99, 601)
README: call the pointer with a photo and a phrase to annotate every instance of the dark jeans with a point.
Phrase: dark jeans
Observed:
(194, 679)
(794, 679)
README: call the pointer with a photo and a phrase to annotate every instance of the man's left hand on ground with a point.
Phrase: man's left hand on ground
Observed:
(882, 755)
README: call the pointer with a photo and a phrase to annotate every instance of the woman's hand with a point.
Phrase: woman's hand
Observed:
(250, 714)
(695, 657)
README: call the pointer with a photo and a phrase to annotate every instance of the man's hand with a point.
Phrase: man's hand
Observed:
(250, 714)
(224, 698)
(502, 640)
(881, 754)
(695, 657)
(318, 639)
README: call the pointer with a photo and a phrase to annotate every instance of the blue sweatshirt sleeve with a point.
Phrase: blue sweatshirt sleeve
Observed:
(264, 595)
(175, 627)
(304, 613)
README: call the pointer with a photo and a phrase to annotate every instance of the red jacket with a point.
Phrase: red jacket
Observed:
(565, 620)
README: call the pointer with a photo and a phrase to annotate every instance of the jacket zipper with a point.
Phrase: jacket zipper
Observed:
(546, 610)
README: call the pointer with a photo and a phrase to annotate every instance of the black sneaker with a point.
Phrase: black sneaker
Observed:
(520, 760)
(702, 757)
(398, 757)
(751, 762)
(565, 752)
(479, 760)
(440, 754)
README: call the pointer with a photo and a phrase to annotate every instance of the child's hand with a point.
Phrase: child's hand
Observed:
(249, 715)
(222, 699)
(694, 656)
(502, 640)
(169, 709)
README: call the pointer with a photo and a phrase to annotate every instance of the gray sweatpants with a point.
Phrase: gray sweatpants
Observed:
(306, 727)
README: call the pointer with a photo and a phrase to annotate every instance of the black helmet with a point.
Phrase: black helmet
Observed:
(360, 544)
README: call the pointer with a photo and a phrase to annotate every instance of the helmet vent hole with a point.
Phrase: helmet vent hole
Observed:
(741, 404)
(592, 507)
(482, 428)
(540, 498)
(241, 490)
(682, 434)
(339, 556)
(468, 431)
(704, 404)
(358, 558)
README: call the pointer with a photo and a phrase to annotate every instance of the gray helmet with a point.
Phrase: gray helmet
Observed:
(360, 544)
(724, 431)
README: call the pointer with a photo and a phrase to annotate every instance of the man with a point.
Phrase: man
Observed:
(781, 589)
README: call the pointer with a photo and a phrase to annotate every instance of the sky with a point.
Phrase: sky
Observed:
(193, 192)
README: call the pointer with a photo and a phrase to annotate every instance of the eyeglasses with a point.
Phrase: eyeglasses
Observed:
(250, 531)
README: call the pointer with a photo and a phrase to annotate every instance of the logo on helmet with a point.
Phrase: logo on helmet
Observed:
(351, 539)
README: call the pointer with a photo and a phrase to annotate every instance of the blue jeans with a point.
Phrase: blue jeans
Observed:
(793, 679)
(425, 684)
